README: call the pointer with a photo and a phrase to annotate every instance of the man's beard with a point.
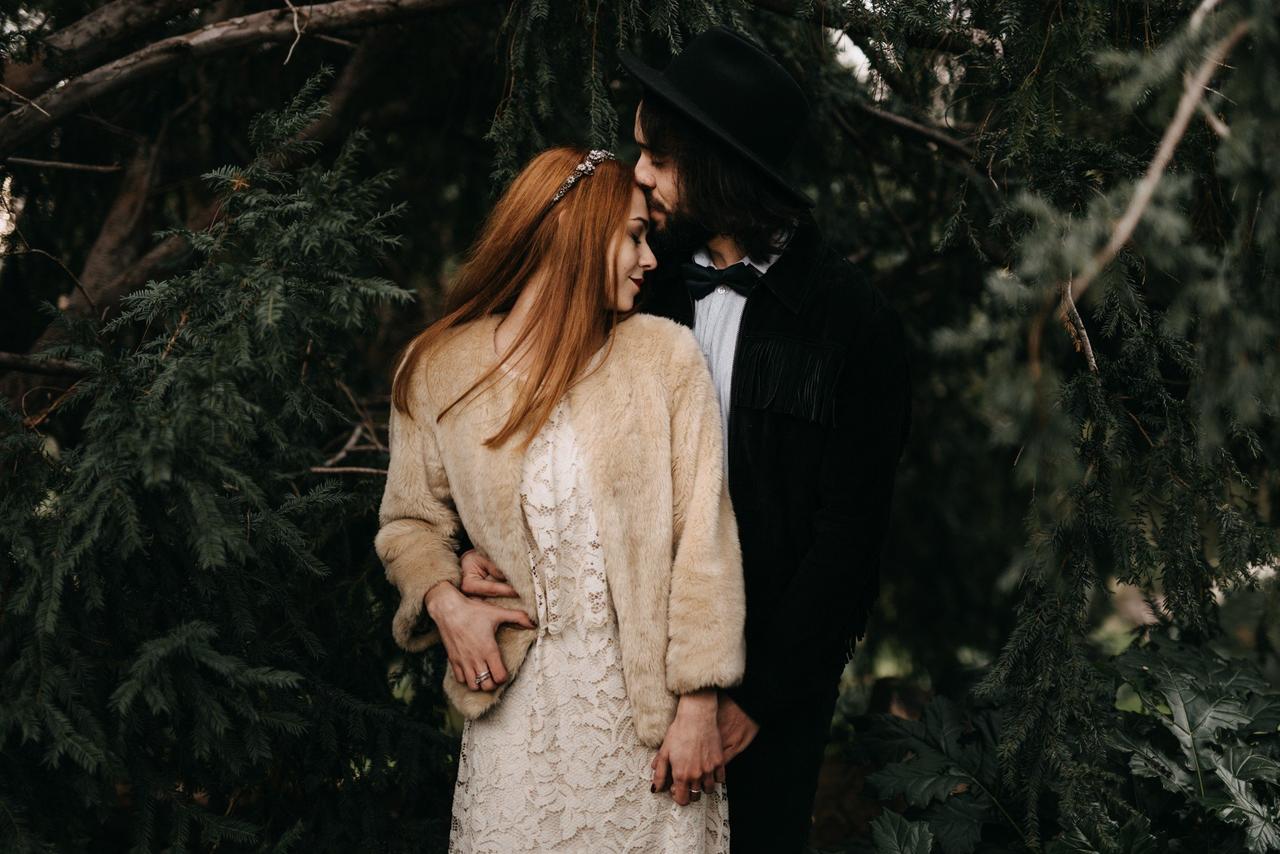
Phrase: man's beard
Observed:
(678, 237)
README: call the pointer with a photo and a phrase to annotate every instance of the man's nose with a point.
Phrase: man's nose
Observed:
(643, 172)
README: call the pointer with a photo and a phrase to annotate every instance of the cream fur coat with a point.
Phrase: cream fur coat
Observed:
(648, 424)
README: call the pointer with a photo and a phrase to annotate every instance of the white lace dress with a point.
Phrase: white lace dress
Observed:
(556, 766)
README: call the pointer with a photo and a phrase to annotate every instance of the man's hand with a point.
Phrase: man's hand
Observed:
(481, 577)
(467, 629)
(737, 729)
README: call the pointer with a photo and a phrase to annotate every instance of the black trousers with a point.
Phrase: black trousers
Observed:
(771, 784)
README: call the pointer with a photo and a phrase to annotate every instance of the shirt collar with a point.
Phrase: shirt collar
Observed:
(703, 257)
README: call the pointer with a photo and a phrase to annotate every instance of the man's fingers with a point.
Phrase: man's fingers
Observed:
(474, 586)
(513, 615)
(719, 775)
(680, 792)
(492, 569)
(709, 782)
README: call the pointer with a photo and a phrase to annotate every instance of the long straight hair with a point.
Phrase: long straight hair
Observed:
(571, 245)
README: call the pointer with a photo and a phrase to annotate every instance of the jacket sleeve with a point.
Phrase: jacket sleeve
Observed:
(417, 523)
(828, 601)
(706, 645)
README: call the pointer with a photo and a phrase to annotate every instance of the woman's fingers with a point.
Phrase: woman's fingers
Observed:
(486, 684)
(661, 766)
(470, 672)
(497, 673)
(457, 672)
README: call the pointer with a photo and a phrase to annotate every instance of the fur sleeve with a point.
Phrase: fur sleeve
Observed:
(417, 523)
(706, 645)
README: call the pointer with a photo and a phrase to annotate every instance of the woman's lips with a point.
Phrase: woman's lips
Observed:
(639, 282)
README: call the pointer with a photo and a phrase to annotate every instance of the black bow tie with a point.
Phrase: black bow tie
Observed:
(703, 280)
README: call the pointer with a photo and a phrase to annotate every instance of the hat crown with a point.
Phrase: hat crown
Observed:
(737, 93)
(744, 89)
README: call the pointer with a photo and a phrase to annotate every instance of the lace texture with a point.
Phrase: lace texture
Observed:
(556, 765)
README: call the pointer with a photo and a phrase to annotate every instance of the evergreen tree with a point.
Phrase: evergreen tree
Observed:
(983, 162)
(194, 644)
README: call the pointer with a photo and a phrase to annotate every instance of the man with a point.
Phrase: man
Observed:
(810, 362)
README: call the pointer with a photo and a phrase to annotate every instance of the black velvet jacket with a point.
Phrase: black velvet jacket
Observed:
(819, 413)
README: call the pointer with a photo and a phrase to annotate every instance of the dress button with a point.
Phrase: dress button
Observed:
(721, 289)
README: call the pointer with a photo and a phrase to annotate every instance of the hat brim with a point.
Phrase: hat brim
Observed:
(656, 83)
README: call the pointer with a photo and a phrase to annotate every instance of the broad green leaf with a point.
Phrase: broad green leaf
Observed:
(921, 779)
(893, 834)
(1147, 760)
(957, 822)
(1134, 838)
(1240, 806)
(1248, 764)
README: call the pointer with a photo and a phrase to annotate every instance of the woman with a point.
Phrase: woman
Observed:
(579, 446)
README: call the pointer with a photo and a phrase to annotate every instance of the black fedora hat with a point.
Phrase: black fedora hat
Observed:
(737, 92)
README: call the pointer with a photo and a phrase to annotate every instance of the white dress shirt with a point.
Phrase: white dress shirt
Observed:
(716, 318)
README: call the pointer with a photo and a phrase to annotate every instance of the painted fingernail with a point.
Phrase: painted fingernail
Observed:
(653, 787)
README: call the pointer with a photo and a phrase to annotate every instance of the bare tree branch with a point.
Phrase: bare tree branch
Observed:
(60, 164)
(1075, 326)
(1192, 93)
(88, 41)
(41, 365)
(865, 24)
(28, 120)
(904, 124)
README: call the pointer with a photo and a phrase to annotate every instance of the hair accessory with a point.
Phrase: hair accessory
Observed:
(595, 157)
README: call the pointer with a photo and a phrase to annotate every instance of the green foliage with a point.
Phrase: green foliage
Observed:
(1208, 732)
(978, 160)
(892, 834)
(193, 643)
(945, 767)
(1195, 768)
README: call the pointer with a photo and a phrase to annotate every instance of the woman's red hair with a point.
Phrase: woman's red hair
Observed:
(571, 243)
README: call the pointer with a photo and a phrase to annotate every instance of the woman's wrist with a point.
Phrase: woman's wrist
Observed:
(438, 597)
(700, 703)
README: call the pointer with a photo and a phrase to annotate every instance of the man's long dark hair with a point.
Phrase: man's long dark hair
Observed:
(721, 192)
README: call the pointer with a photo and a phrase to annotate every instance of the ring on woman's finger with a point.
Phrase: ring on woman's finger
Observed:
(480, 677)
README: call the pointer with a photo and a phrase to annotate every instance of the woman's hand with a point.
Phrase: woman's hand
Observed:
(691, 750)
(467, 629)
(481, 576)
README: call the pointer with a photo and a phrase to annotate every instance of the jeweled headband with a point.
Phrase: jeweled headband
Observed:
(595, 157)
